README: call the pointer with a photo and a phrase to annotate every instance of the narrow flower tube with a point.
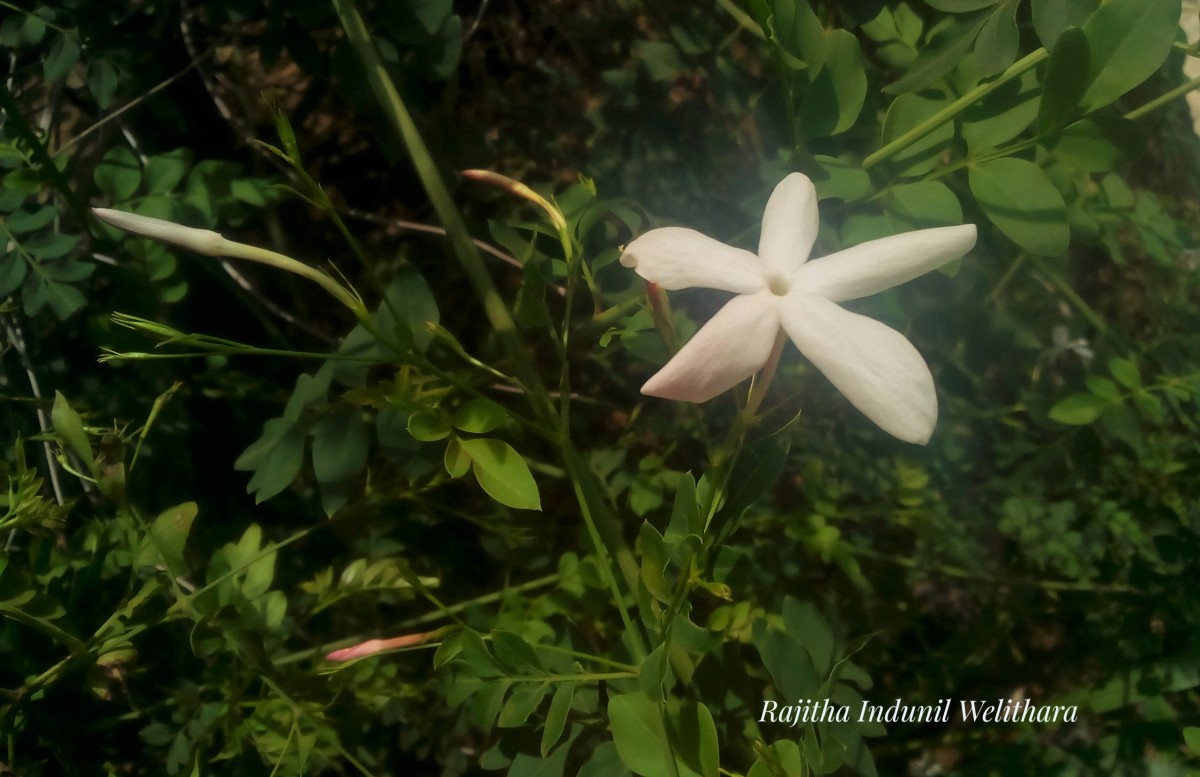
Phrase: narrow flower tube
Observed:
(521, 190)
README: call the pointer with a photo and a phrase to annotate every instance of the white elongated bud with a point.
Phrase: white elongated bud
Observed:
(202, 241)
(209, 243)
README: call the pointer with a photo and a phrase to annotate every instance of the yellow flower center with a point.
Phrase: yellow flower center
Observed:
(778, 285)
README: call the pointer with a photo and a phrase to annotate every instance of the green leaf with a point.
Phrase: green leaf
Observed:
(69, 426)
(1066, 80)
(660, 58)
(168, 535)
(996, 46)
(640, 735)
(807, 626)
(1052, 17)
(64, 53)
(693, 736)
(410, 296)
(685, 513)
(1127, 41)
(1191, 737)
(905, 113)
(280, 465)
(1117, 192)
(1001, 115)
(449, 649)
(521, 704)
(450, 40)
(339, 455)
(791, 666)
(68, 271)
(455, 459)
(40, 292)
(514, 652)
(1099, 143)
(51, 245)
(1126, 373)
(960, 6)
(259, 573)
(797, 32)
(257, 451)
(938, 58)
(1018, 198)
(1103, 388)
(252, 191)
(784, 755)
(840, 179)
(23, 221)
(921, 205)
(13, 269)
(652, 674)
(118, 174)
(760, 464)
(102, 82)
(654, 561)
(165, 171)
(428, 426)
(503, 474)
(339, 445)
(835, 98)
(431, 14)
(556, 717)
(477, 656)
(604, 762)
(479, 416)
(33, 29)
(1078, 409)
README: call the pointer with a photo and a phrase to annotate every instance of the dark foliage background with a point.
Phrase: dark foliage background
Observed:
(1024, 553)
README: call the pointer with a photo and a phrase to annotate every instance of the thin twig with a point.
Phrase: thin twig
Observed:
(271, 307)
(416, 226)
(138, 101)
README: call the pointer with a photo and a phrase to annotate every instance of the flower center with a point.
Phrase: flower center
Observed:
(778, 285)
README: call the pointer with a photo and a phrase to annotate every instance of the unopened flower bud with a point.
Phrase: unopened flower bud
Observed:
(202, 241)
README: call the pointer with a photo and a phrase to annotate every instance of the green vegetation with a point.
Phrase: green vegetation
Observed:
(223, 467)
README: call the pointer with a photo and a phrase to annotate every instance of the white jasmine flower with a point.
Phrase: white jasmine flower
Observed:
(1060, 336)
(874, 366)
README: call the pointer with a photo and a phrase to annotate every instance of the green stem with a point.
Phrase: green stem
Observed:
(1072, 296)
(276, 259)
(456, 230)
(185, 602)
(1047, 585)
(1008, 276)
(421, 620)
(605, 535)
(301, 711)
(724, 458)
(589, 677)
(1163, 99)
(600, 522)
(953, 109)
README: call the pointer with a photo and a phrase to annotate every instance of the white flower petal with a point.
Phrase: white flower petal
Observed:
(789, 226)
(874, 366)
(880, 264)
(678, 258)
(731, 347)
